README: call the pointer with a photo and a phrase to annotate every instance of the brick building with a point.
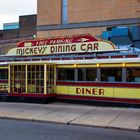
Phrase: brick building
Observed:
(68, 17)
(26, 30)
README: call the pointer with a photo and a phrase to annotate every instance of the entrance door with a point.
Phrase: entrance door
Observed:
(50, 78)
(41, 78)
(35, 79)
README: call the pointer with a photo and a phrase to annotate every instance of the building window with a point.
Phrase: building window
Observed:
(64, 11)
(133, 74)
(111, 75)
(1, 35)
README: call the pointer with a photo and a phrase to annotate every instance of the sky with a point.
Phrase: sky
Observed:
(10, 10)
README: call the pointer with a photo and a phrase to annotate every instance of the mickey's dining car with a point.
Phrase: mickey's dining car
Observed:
(73, 67)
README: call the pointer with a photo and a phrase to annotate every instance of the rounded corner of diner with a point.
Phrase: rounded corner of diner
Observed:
(73, 67)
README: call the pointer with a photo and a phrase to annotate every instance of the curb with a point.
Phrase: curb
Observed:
(109, 127)
(69, 123)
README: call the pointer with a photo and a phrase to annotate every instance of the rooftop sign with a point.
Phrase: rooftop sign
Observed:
(74, 44)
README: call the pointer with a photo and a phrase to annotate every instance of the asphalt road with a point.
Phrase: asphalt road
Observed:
(27, 130)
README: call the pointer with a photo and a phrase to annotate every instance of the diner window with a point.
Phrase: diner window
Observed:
(91, 74)
(3, 74)
(17, 78)
(66, 74)
(133, 75)
(87, 74)
(81, 75)
(111, 74)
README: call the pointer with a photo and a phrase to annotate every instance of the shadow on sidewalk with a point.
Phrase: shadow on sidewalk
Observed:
(81, 102)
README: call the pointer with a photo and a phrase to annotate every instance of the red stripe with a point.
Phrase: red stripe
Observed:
(26, 59)
(89, 57)
(66, 58)
(133, 85)
(117, 56)
(102, 57)
(77, 58)
(45, 58)
(131, 56)
(31, 95)
(4, 81)
(55, 58)
(35, 59)
(106, 99)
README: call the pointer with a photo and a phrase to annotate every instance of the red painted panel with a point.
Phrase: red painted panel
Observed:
(61, 40)
(106, 99)
(3, 81)
(31, 95)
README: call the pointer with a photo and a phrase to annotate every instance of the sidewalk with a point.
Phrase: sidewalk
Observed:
(109, 117)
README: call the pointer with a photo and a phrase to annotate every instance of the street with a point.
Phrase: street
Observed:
(28, 130)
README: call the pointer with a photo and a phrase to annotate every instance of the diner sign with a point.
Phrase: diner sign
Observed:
(76, 44)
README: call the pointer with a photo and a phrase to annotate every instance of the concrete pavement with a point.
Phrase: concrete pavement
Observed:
(109, 117)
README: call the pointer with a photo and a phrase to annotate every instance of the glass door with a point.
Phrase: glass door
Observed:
(50, 78)
(35, 82)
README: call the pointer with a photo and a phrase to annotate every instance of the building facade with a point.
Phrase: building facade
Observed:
(70, 17)
(25, 28)
(12, 25)
(10, 36)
